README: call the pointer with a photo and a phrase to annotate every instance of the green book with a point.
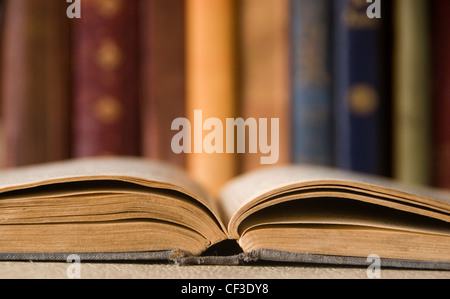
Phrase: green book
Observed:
(412, 98)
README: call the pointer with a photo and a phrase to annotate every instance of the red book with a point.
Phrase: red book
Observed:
(162, 35)
(441, 91)
(105, 65)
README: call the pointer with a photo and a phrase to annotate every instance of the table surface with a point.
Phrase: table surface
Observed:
(35, 270)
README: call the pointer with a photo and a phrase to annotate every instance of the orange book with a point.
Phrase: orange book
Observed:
(211, 84)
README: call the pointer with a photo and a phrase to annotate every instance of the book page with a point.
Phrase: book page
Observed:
(250, 189)
(135, 170)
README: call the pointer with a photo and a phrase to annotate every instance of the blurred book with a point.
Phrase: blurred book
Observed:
(35, 81)
(311, 80)
(211, 85)
(2, 135)
(105, 111)
(163, 78)
(441, 91)
(264, 72)
(360, 98)
(412, 96)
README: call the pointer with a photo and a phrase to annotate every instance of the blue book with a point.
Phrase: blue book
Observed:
(359, 103)
(311, 81)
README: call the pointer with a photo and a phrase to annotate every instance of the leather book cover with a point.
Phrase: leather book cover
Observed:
(311, 81)
(35, 81)
(211, 85)
(264, 72)
(162, 70)
(441, 91)
(412, 95)
(105, 79)
(359, 84)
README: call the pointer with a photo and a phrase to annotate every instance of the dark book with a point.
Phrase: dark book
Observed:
(35, 82)
(440, 28)
(162, 70)
(105, 114)
(360, 100)
(132, 209)
(311, 81)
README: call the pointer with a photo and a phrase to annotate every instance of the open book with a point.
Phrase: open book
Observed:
(134, 209)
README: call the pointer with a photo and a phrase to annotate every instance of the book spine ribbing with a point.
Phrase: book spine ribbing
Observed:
(162, 70)
(35, 81)
(105, 67)
(441, 91)
(311, 81)
(359, 104)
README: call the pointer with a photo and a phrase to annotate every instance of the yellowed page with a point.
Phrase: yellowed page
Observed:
(134, 170)
(246, 192)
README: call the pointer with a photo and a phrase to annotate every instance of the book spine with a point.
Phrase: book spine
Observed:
(359, 102)
(412, 98)
(441, 92)
(162, 83)
(264, 88)
(35, 81)
(2, 135)
(211, 86)
(311, 81)
(105, 73)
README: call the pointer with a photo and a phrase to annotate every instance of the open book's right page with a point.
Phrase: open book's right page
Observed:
(249, 189)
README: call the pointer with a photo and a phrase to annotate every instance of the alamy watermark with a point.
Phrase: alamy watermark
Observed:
(227, 138)
(74, 9)
(374, 10)
(73, 271)
(374, 269)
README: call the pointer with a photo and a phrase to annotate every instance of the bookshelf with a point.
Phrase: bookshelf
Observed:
(368, 95)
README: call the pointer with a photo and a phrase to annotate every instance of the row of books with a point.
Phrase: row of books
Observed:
(350, 91)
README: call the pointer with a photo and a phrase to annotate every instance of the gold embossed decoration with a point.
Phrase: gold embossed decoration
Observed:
(108, 110)
(363, 99)
(109, 56)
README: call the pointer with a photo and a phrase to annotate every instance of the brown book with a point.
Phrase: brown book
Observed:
(162, 70)
(134, 209)
(105, 72)
(2, 136)
(441, 92)
(264, 61)
(35, 81)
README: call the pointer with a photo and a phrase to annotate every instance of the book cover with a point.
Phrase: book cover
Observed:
(310, 69)
(162, 70)
(412, 94)
(211, 86)
(360, 101)
(2, 136)
(35, 81)
(441, 92)
(105, 112)
(264, 71)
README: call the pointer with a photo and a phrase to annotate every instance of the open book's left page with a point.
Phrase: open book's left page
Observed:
(109, 205)
(129, 169)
